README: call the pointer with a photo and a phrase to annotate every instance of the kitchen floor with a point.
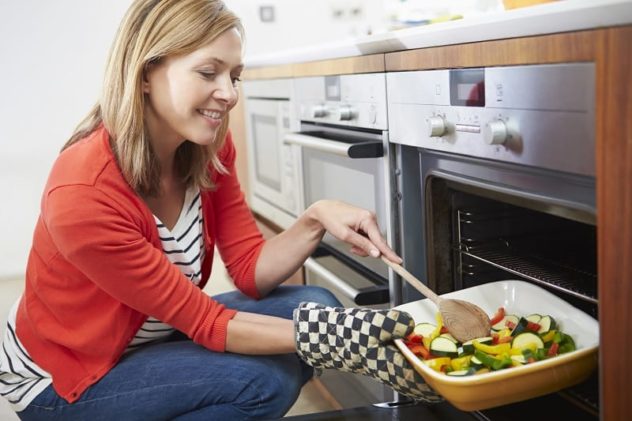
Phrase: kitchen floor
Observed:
(310, 400)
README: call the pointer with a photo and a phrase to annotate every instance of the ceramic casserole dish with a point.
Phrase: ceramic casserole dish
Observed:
(502, 387)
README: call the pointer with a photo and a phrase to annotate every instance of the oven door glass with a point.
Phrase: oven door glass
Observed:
(357, 181)
(268, 121)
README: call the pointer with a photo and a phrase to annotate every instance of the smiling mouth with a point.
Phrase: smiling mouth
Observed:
(216, 115)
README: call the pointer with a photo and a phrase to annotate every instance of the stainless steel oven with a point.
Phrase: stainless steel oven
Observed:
(273, 165)
(497, 181)
(344, 149)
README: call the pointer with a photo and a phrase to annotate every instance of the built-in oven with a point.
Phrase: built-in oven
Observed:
(273, 165)
(344, 149)
(496, 175)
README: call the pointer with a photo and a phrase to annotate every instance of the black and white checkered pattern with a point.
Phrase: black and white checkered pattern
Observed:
(359, 340)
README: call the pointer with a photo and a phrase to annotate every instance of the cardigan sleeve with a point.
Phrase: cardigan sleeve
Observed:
(107, 245)
(239, 240)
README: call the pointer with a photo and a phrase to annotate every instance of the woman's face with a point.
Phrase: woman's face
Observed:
(188, 96)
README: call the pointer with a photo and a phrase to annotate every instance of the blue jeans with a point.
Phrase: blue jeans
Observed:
(181, 380)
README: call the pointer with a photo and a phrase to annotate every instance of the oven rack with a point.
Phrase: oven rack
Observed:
(534, 267)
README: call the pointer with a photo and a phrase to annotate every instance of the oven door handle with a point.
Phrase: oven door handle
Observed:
(367, 149)
(364, 296)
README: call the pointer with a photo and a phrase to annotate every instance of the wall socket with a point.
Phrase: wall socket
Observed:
(266, 13)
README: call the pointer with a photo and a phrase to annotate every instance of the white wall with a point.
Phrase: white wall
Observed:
(306, 22)
(52, 56)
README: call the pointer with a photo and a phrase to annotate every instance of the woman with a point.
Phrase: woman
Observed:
(113, 321)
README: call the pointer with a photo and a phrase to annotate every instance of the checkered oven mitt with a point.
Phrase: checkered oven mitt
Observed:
(359, 340)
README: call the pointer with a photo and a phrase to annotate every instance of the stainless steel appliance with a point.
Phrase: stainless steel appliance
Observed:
(273, 165)
(345, 155)
(497, 181)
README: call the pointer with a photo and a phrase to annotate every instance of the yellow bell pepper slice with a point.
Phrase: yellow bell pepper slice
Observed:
(436, 332)
(519, 351)
(460, 363)
(548, 337)
(437, 363)
(492, 349)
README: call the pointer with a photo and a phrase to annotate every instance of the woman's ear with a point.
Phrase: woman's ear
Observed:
(147, 68)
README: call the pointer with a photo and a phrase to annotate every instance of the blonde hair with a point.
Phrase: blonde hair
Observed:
(151, 30)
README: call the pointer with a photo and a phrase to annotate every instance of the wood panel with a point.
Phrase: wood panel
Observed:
(556, 48)
(614, 221)
(343, 66)
(268, 72)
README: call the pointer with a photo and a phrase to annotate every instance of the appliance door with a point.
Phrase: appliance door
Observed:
(349, 166)
(272, 163)
(469, 221)
(352, 289)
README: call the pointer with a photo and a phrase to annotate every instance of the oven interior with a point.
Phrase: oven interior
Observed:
(481, 236)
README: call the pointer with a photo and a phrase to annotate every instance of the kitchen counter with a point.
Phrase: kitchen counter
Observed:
(549, 18)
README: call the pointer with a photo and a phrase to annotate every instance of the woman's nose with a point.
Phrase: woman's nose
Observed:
(226, 91)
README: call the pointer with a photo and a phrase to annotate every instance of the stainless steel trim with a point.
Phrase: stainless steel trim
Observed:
(317, 143)
(328, 276)
(467, 128)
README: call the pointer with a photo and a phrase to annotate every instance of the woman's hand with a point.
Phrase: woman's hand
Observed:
(353, 225)
(360, 340)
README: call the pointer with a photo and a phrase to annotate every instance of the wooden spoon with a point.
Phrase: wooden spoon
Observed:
(464, 320)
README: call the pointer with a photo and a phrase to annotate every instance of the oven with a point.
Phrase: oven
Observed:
(344, 150)
(273, 165)
(496, 179)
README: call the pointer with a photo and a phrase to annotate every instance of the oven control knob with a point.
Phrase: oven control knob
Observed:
(319, 111)
(437, 126)
(495, 132)
(345, 113)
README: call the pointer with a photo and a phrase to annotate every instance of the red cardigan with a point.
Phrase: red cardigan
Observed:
(96, 269)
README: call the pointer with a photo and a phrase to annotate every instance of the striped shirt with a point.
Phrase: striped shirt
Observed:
(21, 379)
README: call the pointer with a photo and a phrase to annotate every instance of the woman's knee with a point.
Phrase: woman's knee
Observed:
(316, 294)
(321, 295)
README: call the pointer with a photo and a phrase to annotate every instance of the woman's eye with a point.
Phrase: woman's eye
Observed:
(236, 80)
(207, 75)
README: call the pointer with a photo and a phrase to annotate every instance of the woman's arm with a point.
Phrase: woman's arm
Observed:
(250, 333)
(283, 254)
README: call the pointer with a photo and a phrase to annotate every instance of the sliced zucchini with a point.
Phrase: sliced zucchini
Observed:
(424, 329)
(527, 340)
(546, 323)
(468, 347)
(535, 318)
(443, 347)
(503, 323)
(450, 337)
(520, 327)
(476, 363)
(461, 373)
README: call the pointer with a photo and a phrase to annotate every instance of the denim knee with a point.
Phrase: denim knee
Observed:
(320, 295)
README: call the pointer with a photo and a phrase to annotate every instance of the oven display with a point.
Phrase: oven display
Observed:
(467, 87)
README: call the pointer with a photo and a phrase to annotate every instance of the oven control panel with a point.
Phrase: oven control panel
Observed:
(538, 115)
(343, 100)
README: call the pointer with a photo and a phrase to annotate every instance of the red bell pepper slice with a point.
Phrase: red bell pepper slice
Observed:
(553, 350)
(419, 349)
(417, 339)
(534, 327)
(500, 314)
